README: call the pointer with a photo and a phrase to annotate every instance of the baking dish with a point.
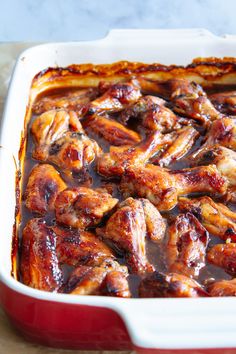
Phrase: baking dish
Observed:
(164, 325)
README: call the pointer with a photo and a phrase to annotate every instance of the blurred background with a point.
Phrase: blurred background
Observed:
(60, 20)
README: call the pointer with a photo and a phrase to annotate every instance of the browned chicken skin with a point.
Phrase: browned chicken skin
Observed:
(225, 102)
(110, 130)
(163, 187)
(223, 256)
(127, 229)
(216, 218)
(60, 139)
(43, 186)
(83, 207)
(73, 100)
(170, 285)
(186, 246)
(116, 98)
(223, 288)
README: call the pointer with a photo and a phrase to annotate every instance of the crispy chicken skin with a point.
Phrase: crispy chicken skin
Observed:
(127, 229)
(73, 101)
(216, 218)
(43, 186)
(60, 139)
(153, 115)
(83, 207)
(108, 278)
(223, 288)
(170, 285)
(116, 98)
(115, 162)
(39, 263)
(224, 256)
(186, 245)
(163, 187)
(225, 102)
(111, 131)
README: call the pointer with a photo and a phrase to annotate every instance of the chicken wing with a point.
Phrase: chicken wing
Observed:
(43, 186)
(83, 207)
(163, 187)
(126, 228)
(75, 100)
(170, 285)
(186, 246)
(39, 263)
(223, 288)
(225, 102)
(216, 218)
(116, 98)
(115, 162)
(224, 256)
(110, 130)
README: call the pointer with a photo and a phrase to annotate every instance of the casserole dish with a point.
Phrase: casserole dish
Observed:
(193, 325)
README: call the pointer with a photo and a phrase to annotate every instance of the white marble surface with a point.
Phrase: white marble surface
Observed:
(60, 20)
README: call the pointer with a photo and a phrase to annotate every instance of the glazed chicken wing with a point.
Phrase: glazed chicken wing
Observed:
(109, 278)
(39, 263)
(75, 100)
(83, 207)
(225, 102)
(170, 285)
(216, 218)
(223, 288)
(111, 131)
(163, 187)
(127, 229)
(224, 256)
(155, 223)
(43, 186)
(186, 246)
(116, 98)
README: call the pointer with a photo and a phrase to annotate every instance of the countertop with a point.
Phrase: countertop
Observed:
(10, 341)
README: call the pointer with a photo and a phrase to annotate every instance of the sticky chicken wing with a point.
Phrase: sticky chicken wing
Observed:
(43, 185)
(163, 187)
(224, 256)
(116, 98)
(75, 100)
(223, 288)
(40, 267)
(170, 285)
(111, 131)
(83, 207)
(186, 246)
(127, 229)
(225, 102)
(216, 218)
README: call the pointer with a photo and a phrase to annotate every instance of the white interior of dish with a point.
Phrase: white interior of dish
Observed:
(190, 323)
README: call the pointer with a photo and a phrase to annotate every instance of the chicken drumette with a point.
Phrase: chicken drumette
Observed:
(186, 245)
(43, 186)
(224, 256)
(163, 187)
(83, 207)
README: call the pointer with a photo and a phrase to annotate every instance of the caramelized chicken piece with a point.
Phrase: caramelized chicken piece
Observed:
(170, 285)
(43, 185)
(116, 98)
(185, 138)
(223, 288)
(216, 218)
(186, 246)
(127, 229)
(75, 100)
(163, 187)
(109, 278)
(110, 130)
(155, 224)
(188, 98)
(60, 139)
(153, 114)
(223, 256)
(225, 102)
(118, 159)
(83, 207)
(39, 263)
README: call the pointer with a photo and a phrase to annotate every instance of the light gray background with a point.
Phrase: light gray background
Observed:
(61, 20)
